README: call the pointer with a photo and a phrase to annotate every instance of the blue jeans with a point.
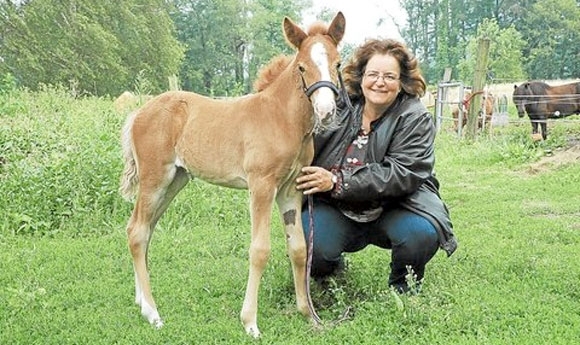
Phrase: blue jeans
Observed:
(412, 239)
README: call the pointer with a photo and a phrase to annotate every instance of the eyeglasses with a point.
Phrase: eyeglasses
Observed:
(374, 76)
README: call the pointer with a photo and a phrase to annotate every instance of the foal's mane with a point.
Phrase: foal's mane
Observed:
(272, 70)
(317, 28)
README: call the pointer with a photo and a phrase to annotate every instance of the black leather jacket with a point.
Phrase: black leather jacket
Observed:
(399, 169)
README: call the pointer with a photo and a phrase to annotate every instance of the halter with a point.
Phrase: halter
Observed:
(308, 91)
(342, 93)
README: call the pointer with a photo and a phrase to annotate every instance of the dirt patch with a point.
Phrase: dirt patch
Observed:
(555, 159)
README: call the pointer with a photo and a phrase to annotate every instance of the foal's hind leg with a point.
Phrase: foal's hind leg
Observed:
(153, 199)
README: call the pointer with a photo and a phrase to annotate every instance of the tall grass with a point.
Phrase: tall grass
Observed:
(60, 157)
(66, 275)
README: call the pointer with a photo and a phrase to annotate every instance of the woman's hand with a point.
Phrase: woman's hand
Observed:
(314, 180)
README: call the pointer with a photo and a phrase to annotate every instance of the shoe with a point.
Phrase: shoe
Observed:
(335, 273)
(328, 268)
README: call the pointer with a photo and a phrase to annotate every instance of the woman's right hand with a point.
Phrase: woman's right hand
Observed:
(314, 180)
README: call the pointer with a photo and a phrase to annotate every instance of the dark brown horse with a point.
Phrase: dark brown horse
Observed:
(542, 101)
(259, 142)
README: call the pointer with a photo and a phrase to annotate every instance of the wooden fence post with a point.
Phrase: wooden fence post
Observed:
(478, 83)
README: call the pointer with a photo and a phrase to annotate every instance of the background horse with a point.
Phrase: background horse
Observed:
(542, 101)
(487, 106)
(259, 142)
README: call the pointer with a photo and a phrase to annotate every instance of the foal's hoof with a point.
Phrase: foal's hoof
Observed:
(253, 331)
(157, 323)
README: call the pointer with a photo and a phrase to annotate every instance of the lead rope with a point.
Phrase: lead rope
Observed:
(344, 95)
(313, 314)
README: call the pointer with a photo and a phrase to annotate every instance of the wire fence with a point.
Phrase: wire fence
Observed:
(452, 96)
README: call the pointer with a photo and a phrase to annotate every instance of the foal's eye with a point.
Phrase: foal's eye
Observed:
(301, 68)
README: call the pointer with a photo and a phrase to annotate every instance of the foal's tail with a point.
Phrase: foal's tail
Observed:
(130, 176)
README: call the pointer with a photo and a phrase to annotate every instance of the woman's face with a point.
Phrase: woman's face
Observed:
(381, 81)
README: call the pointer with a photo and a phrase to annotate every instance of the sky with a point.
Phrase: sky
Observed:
(362, 17)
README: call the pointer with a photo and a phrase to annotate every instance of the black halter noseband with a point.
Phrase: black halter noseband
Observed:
(341, 93)
(321, 83)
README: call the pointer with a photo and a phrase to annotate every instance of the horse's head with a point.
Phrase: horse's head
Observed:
(317, 63)
(520, 97)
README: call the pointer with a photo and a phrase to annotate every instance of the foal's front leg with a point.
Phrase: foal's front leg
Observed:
(261, 202)
(289, 204)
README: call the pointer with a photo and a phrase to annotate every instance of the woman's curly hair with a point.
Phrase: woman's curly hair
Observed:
(412, 81)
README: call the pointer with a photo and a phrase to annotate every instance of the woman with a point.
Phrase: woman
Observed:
(372, 177)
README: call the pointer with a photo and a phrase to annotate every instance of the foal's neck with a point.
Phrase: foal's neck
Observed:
(290, 101)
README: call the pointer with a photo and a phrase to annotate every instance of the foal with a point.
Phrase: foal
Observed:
(259, 142)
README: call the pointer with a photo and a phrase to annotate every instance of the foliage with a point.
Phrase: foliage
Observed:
(83, 43)
(505, 53)
(66, 275)
(229, 41)
(58, 160)
(9, 104)
(217, 47)
(215, 36)
(552, 29)
(440, 33)
(7, 83)
(266, 31)
(418, 33)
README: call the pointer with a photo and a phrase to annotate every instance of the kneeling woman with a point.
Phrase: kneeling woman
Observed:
(372, 176)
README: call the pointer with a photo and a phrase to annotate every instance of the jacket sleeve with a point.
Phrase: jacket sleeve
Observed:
(398, 167)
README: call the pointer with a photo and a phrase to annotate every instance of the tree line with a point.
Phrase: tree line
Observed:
(529, 39)
(217, 47)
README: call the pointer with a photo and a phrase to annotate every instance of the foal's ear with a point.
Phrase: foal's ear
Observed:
(337, 27)
(293, 33)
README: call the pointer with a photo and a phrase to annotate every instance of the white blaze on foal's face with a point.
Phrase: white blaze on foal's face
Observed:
(323, 99)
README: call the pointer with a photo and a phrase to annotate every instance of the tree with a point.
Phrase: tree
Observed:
(438, 31)
(266, 32)
(214, 33)
(505, 61)
(419, 33)
(98, 47)
(228, 41)
(553, 31)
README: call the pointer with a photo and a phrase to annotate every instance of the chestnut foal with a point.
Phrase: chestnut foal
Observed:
(259, 142)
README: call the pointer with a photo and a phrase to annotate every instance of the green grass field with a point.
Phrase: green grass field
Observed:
(66, 274)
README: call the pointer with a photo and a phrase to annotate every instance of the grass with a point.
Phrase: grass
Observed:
(66, 274)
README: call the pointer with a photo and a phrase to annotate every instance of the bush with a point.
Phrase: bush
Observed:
(60, 163)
